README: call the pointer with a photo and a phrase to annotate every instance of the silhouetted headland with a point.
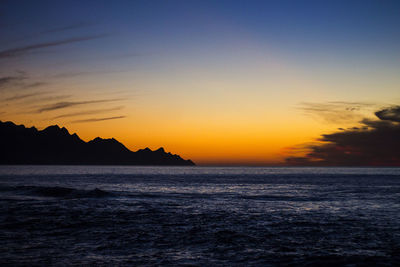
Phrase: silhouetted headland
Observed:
(55, 145)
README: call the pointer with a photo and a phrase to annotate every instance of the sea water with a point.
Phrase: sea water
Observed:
(111, 215)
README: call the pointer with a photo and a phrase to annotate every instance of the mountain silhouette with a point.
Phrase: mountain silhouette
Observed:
(55, 145)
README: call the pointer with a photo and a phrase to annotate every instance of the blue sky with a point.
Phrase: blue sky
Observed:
(325, 26)
(188, 74)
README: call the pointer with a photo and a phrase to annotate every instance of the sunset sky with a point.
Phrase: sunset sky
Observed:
(218, 82)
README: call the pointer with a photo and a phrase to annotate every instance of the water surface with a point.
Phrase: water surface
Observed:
(75, 215)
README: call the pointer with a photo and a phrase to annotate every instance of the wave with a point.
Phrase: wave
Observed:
(56, 192)
(283, 198)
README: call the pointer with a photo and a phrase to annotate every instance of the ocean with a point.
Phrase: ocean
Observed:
(225, 216)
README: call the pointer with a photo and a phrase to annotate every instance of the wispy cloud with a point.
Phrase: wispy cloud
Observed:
(18, 51)
(88, 112)
(83, 73)
(336, 111)
(52, 98)
(66, 28)
(99, 119)
(23, 96)
(19, 80)
(34, 84)
(71, 74)
(30, 105)
(54, 30)
(67, 104)
(12, 79)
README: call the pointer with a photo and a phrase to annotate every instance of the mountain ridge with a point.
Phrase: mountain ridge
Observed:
(55, 145)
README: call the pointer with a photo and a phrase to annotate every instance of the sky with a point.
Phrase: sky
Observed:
(218, 82)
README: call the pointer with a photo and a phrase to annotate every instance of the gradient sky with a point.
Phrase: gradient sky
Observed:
(219, 82)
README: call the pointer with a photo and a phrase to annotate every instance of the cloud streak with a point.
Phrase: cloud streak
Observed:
(50, 31)
(87, 112)
(66, 28)
(23, 96)
(52, 98)
(10, 80)
(98, 119)
(84, 73)
(67, 104)
(375, 143)
(71, 74)
(19, 80)
(34, 85)
(18, 51)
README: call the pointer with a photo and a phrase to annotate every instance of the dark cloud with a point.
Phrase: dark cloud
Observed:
(389, 114)
(13, 52)
(87, 112)
(375, 143)
(99, 119)
(67, 104)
